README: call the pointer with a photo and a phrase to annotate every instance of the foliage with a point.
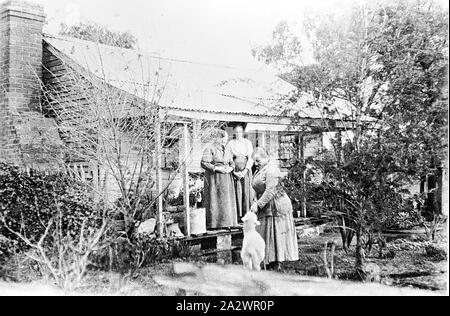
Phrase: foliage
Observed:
(29, 200)
(7, 249)
(18, 267)
(342, 187)
(380, 68)
(410, 47)
(407, 218)
(284, 51)
(52, 220)
(432, 226)
(436, 252)
(196, 187)
(98, 33)
(142, 250)
(143, 207)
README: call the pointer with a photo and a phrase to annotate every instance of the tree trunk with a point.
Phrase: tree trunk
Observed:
(346, 234)
(343, 232)
(360, 256)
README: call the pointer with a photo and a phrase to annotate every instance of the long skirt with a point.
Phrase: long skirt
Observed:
(243, 188)
(279, 233)
(219, 200)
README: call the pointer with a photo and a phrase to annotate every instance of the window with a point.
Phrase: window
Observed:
(288, 150)
(170, 147)
(170, 157)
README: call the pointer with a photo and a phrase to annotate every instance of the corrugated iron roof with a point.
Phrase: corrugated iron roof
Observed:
(181, 84)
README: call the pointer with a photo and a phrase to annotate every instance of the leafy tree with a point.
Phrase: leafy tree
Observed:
(381, 67)
(99, 33)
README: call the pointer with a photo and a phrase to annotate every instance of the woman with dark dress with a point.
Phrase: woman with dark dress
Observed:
(274, 210)
(242, 150)
(219, 194)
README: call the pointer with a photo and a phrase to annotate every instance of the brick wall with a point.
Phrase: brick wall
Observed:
(21, 26)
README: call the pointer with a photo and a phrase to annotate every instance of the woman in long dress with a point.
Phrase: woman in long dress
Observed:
(242, 150)
(219, 194)
(274, 210)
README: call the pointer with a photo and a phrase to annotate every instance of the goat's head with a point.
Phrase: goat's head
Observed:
(250, 220)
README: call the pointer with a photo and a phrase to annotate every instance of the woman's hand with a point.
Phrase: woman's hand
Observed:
(243, 173)
(219, 169)
(254, 207)
(223, 169)
(228, 169)
(238, 174)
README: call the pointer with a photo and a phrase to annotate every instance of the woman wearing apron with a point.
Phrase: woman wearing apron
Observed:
(219, 194)
(242, 150)
(274, 210)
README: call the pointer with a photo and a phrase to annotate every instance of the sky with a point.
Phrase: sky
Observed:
(209, 31)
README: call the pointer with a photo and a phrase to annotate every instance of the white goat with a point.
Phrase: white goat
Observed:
(253, 245)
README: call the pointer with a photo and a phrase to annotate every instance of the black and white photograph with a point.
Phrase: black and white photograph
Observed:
(234, 149)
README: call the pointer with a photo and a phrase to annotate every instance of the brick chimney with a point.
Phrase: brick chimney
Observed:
(21, 25)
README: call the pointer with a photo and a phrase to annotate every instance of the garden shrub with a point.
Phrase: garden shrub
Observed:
(392, 207)
(52, 224)
(128, 214)
(19, 267)
(436, 252)
(29, 200)
(6, 248)
(312, 190)
(139, 251)
(196, 188)
(408, 218)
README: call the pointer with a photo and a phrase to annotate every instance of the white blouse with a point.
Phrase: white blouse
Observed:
(242, 147)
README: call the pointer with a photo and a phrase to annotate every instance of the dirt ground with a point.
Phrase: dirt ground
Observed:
(410, 266)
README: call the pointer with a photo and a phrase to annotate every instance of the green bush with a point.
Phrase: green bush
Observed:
(28, 200)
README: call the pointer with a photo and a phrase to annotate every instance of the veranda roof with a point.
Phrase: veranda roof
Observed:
(188, 88)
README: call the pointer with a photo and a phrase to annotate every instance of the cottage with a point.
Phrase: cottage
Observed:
(47, 81)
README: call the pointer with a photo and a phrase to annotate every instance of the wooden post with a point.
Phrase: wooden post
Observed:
(302, 157)
(102, 182)
(223, 246)
(94, 170)
(269, 147)
(158, 151)
(93, 167)
(196, 145)
(263, 140)
(187, 212)
(439, 183)
(444, 191)
(339, 147)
